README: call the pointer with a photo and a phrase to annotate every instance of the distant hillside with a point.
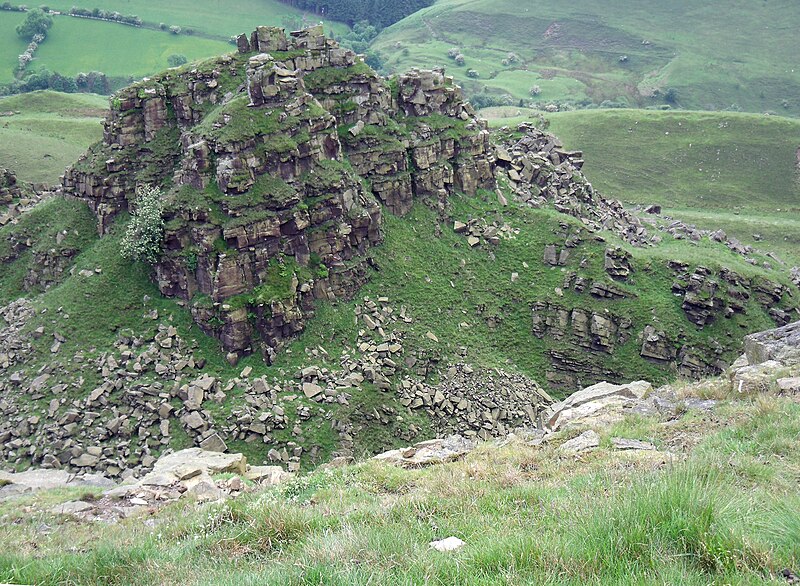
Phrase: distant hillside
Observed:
(200, 29)
(723, 170)
(43, 132)
(709, 55)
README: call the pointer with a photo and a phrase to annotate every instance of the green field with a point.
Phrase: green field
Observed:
(50, 132)
(211, 17)
(10, 44)
(117, 50)
(714, 55)
(732, 171)
(76, 45)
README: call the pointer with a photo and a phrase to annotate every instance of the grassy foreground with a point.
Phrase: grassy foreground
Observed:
(47, 132)
(726, 512)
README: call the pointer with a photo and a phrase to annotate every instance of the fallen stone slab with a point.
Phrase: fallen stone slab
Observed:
(622, 443)
(192, 462)
(427, 453)
(586, 441)
(267, 475)
(789, 384)
(34, 480)
(72, 508)
(587, 403)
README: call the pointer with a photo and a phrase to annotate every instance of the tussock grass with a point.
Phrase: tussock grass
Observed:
(526, 514)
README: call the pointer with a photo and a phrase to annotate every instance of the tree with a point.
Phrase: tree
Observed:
(36, 23)
(145, 234)
(176, 60)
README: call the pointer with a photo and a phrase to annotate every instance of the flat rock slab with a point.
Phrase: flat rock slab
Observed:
(586, 441)
(72, 508)
(789, 384)
(267, 475)
(427, 453)
(33, 480)
(588, 402)
(622, 443)
(193, 462)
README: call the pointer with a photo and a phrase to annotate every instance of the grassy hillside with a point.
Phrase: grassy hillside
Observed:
(77, 45)
(714, 55)
(732, 171)
(49, 132)
(10, 44)
(209, 17)
(117, 50)
(725, 513)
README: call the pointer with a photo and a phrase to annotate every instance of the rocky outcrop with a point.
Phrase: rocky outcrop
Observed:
(15, 197)
(708, 295)
(539, 171)
(279, 156)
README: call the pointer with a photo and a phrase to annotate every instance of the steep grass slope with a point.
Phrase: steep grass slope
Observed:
(47, 132)
(714, 55)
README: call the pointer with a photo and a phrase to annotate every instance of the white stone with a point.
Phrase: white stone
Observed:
(448, 544)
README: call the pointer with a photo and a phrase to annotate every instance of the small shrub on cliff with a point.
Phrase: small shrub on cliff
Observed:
(142, 241)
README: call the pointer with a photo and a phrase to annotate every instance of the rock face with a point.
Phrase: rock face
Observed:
(15, 198)
(268, 152)
(781, 345)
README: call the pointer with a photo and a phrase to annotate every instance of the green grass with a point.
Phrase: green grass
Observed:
(210, 17)
(737, 172)
(76, 45)
(117, 50)
(50, 132)
(11, 46)
(527, 514)
(715, 55)
(42, 226)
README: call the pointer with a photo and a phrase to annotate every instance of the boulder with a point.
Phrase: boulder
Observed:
(591, 403)
(780, 344)
(448, 544)
(585, 441)
(267, 475)
(436, 451)
(756, 378)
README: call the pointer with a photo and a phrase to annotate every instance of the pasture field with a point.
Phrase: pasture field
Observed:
(49, 132)
(714, 55)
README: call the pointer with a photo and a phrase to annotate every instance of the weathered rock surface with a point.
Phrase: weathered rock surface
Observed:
(33, 480)
(586, 441)
(595, 403)
(781, 344)
(427, 453)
